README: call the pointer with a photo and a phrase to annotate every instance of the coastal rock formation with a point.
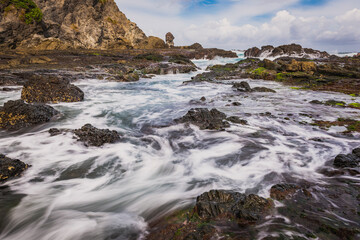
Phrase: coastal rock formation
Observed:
(53, 24)
(92, 136)
(17, 114)
(10, 168)
(245, 209)
(245, 87)
(50, 89)
(291, 50)
(169, 40)
(351, 160)
(205, 119)
(220, 213)
(283, 191)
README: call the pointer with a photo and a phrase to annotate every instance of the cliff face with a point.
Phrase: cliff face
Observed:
(64, 24)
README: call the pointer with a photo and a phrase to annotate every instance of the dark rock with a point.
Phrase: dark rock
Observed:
(291, 50)
(246, 209)
(17, 114)
(263, 89)
(350, 160)
(45, 89)
(205, 119)
(203, 99)
(236, 104)
(335, 103)
(316, 102)
(242, 86)
(92, 136)
(195, 46)
(235, 119)
(283, 191)
(10, 168)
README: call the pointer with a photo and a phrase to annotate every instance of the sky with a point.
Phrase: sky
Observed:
(330, 25)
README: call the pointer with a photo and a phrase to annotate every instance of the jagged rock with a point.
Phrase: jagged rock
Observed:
(296, 66)
(169, 37)
(17, 114)
(92, 136)
(245, 87)
(350, 160)
(246, 209)
(68, 24)
(50, 89)
(10, 168)
(235, 119)
(283, 191)
(205, 119)
(291, 50)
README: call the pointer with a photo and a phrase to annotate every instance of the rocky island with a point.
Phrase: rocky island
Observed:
(107, 133)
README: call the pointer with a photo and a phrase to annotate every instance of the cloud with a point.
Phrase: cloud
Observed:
(281, 29)
(325, 24)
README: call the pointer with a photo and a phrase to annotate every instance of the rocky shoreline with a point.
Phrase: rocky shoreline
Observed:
(222, 213)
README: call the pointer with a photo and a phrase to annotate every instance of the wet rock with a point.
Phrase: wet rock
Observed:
(205, 119)
(203, 99)
(316, 102)
(242, 86)
(263, 89)
(235, 119)
(246, 209)
(50, 89)
(283, 191)
(236, 104)
(348, 161)
(10, 168)
(17, 114)
(335, 103)
(92, 136)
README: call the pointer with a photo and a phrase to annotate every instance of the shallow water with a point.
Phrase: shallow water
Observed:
(113, 192)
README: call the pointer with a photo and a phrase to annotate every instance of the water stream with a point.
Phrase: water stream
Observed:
(75, 192)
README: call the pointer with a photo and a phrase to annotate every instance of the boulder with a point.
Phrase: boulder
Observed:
(283, 191)
(92, 136)
(351, 160)
(50, 89)
(169, 38)
(245, 87)
(10, 168)
(235, 119)
(219, 204)
(205, 119)
(17, 114)
(252, 52)
(152, 43)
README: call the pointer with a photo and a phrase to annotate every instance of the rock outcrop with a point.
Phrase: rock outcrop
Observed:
(90, 135)
(351, 160)
(53, 24)
(291, 50)
(169, 37)
(205, 119)
(17, 114)
(10, 168)
(50, 89)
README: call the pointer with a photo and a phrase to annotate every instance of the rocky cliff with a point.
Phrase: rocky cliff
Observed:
(65, 24)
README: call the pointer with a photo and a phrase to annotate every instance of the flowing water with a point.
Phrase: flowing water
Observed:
(112, 192)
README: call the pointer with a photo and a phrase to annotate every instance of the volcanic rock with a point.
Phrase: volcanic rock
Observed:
(246, 209)
(10, 168)
(350, 160)
(50, 89)
(92, 136)
(17, 114)
(205, 119)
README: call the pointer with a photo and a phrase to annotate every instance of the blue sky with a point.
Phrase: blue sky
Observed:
(330, 25)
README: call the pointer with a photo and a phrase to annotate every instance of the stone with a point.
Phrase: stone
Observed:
(10, 168)
(17, 114)
(50, 89)
(205, 119)
(246, 209)
(92, 136)
(348, 161)
(235, 119)
(169, 38)
(283, 191)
